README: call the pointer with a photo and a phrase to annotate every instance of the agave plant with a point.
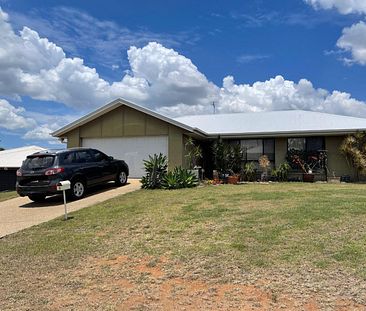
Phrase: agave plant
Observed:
(179, 178)
(156, 169)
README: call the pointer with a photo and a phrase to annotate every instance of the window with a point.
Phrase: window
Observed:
(308, 149)
(269, 148)
(308, 144)
(296, 144)
(314, 144)
(254, 148)
(98, 155)
(67, 158)
(38, 162)
(84, 156)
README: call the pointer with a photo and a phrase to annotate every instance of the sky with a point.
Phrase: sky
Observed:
(62, 59)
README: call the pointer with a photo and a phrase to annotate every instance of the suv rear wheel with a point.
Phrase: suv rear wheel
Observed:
(121, 178)
(37, 197)
(77, 189)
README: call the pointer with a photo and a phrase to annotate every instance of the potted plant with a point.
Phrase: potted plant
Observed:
(193, 156)
(248, 171)
(227, 161)
(281, 172)
(235, 159)
(264, 164)
(334, 179)
(221, 154)
(307, 175)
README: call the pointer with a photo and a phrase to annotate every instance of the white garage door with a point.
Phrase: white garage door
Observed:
(133, 150)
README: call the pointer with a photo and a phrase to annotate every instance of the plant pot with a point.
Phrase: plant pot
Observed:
(195, 172)
(308, 177)
(334, 180)
(233, 180)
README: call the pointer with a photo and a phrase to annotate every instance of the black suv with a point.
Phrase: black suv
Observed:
(84, 167)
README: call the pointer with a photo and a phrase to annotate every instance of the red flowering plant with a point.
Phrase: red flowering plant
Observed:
(299, 162)
(306, 167)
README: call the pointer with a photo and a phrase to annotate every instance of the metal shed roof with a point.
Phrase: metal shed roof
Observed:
(274, 123)
(13, 158)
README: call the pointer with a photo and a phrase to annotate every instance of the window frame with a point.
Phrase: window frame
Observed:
(306, 143)
(245, 156)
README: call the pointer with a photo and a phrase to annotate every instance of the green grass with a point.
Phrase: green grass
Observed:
(215, 227)
(6, 195)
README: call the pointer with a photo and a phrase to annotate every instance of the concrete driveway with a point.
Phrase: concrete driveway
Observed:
(20, 213)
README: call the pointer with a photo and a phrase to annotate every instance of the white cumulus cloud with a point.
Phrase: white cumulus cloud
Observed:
(280, 94)
(159, 78)
(42, 132)
(353, 40)
(343, 6)
(12, 118)
(33, 66)
(167, 78)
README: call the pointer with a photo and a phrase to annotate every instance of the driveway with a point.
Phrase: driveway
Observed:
(20, 213)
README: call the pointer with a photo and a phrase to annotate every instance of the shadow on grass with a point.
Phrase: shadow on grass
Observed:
(57, 199)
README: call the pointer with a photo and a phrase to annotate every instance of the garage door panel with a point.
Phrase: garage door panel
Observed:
(133, 150)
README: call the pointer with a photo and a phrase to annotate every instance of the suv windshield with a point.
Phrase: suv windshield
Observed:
(38, 162)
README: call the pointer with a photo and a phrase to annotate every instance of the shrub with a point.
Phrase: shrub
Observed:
(193, 153)
(248, 171)
(281, 172)
(264, 163)
(179, 178)
(354, 149)
(227, 157)
(157, 176)
(156, 169)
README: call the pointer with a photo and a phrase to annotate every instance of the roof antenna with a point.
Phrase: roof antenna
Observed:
(214, 107)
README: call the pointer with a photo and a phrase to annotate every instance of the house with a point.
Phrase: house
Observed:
(131, 132)
(10, 161)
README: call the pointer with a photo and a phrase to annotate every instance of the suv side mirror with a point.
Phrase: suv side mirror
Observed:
(110, 158)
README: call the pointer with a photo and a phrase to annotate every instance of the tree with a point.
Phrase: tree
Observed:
(354, 149)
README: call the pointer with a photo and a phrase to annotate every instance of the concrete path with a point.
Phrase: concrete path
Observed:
(20, 213)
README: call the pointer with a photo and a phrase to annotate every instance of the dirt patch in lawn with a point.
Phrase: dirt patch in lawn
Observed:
(124, 283)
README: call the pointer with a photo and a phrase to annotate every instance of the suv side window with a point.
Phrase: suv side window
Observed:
(67, 158)
(98, 155)
(83, 156)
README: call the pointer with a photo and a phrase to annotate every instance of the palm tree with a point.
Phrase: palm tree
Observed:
(354, 149)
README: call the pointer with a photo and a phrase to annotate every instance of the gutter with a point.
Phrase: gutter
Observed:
(285, 133)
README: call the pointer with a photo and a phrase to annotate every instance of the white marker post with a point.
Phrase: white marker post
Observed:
(63, 186)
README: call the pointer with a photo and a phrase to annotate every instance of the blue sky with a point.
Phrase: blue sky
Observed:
(176, 58)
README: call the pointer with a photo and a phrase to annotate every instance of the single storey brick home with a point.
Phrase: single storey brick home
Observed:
(131, 132)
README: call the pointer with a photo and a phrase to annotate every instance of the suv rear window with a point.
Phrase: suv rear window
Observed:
(38, 162)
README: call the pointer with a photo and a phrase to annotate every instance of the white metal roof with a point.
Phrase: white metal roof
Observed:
(13, 158)
(274, 123)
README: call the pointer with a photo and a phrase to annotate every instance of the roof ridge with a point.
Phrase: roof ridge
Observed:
(270, 111)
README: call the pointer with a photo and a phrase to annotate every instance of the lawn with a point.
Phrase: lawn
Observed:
(288, 246)
(6, 195)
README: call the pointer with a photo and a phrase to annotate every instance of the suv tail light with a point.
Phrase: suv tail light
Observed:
(19, 173)
(54, 171)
